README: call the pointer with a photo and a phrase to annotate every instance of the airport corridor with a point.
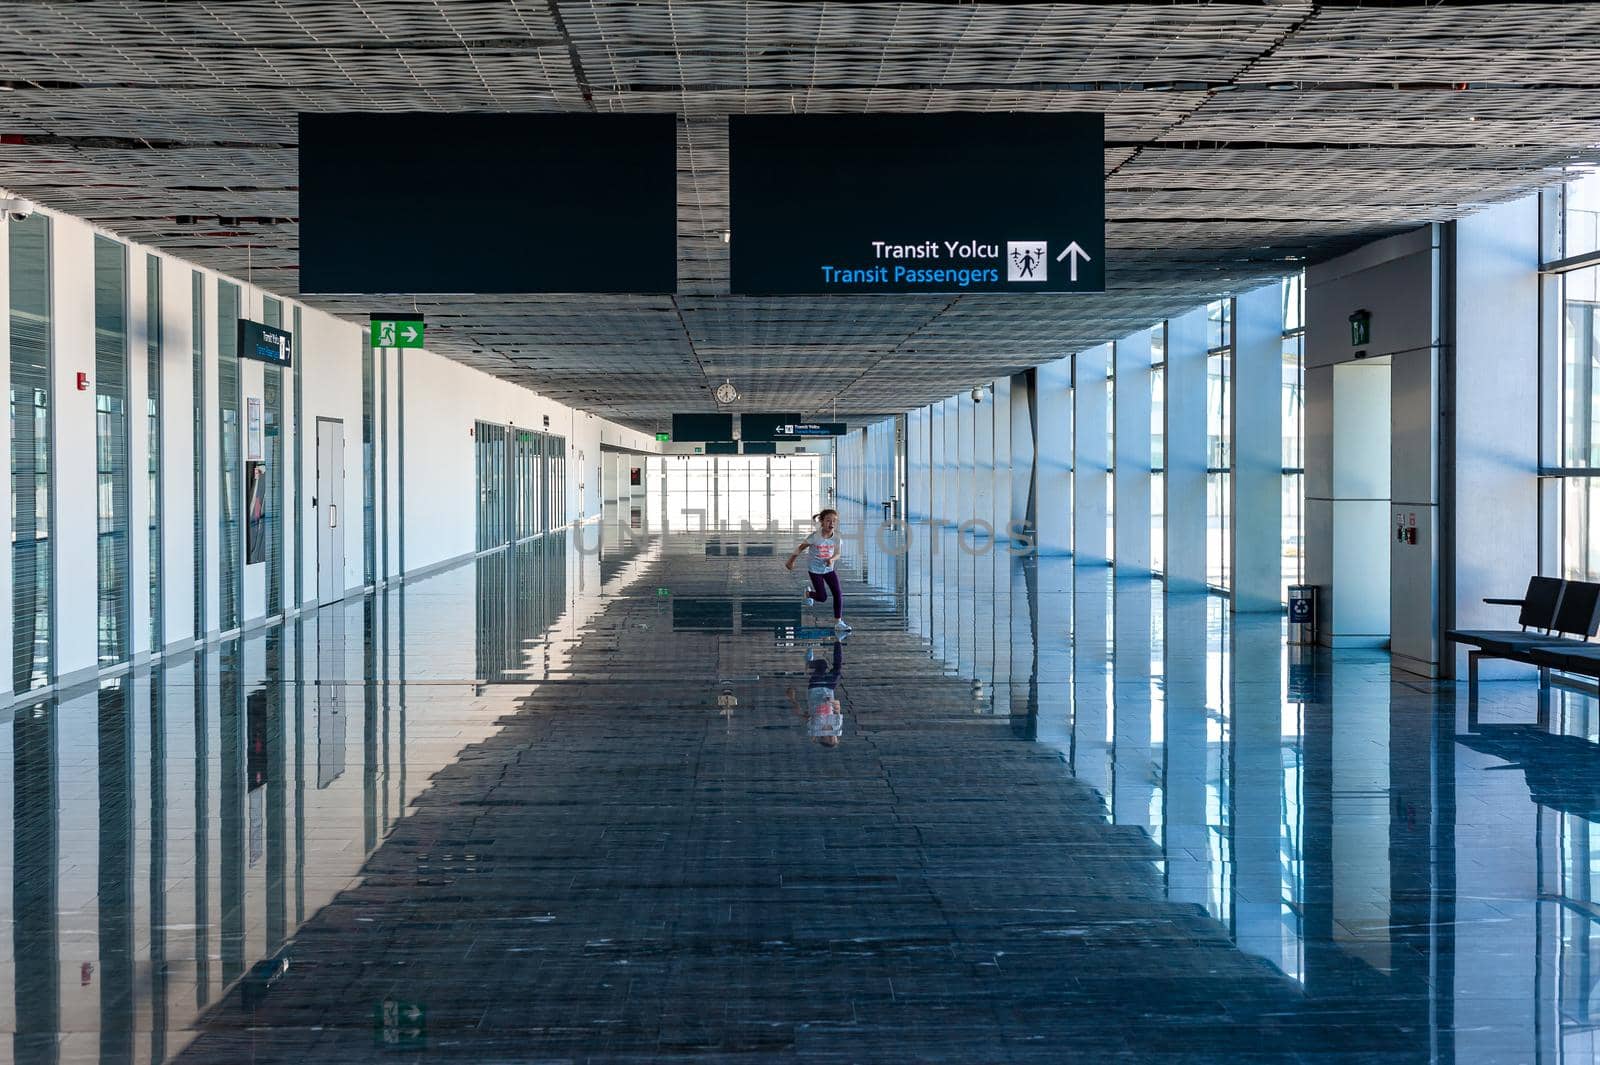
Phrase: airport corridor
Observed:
(587, 811)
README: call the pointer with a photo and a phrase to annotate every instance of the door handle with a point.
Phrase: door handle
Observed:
(333, 515)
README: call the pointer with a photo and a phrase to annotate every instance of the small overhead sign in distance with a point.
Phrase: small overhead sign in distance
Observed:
(808, 429)
(937, 203)
(663, 438)
(425, 202)
(764, 426)
(699, 428)
(397, 332)
(265, 343)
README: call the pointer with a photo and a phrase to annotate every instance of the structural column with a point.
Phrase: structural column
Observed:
(1256, 546)
(1091, 462)
(1053, 458)
(1131, 470)
(916, 502)
(1184, 454)
(1002, 469)
(952, 462)
(1022, 444)
(985, 469)
(6, 531)
(965, 456)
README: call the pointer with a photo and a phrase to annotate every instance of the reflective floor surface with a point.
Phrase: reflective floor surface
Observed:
(621, 797)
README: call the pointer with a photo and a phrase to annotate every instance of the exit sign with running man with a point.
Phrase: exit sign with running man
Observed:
(397, 332)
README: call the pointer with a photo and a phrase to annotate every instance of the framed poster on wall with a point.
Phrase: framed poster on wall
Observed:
(253, 429)
(255, 513)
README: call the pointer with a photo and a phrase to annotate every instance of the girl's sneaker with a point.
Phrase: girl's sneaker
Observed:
(841, 626)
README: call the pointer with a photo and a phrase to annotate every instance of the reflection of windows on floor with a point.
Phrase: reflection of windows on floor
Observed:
(687, 492)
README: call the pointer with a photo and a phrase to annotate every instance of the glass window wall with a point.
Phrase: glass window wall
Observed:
(112, 474)
(33, 627)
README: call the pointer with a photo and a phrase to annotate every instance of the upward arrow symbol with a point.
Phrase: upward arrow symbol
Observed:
(1075, 250)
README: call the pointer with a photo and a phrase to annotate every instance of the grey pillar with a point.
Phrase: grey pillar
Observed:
(1091, 463)
(918, 503)
(937, 504)
(1002, 471)
(1022, 447)
(1131, 751)
(952, 463)
(1131, 479)
(1185, 451)
(1053, 458)
(984, 467)
(965, 456)
(1256, 546)
(1256, 685)
(1188, 844)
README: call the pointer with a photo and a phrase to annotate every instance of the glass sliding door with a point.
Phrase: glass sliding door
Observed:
(272, 453)
(152, 338)
(369, 528)
(230, 568)
(197, 334)
(33, 630)
(113, 563)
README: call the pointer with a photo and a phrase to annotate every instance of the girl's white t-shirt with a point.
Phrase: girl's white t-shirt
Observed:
(824, 550)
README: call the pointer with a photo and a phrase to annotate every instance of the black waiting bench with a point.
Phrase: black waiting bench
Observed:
(1557, 618)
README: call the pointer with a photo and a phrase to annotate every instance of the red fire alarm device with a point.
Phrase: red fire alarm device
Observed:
(83, 381)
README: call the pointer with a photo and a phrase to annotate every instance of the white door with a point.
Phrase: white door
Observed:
(329, 505)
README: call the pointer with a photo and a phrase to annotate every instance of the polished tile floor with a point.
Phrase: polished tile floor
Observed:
(585, 801)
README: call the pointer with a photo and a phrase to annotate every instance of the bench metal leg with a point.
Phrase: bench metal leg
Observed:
(1472, 689)
(1543, 718)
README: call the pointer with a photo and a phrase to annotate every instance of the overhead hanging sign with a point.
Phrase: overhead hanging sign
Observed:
(397, 332)
(879, 203)
(808, 429)
(265, 343)
(411, 202)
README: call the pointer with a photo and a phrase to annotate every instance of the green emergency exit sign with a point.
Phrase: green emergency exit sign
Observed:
(397, 332)
(663, 438)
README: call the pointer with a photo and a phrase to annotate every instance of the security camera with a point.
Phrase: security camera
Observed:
(16, 209)
(977, 395)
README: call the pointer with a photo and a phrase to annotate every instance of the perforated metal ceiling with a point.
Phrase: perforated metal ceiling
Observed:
(1242, 139)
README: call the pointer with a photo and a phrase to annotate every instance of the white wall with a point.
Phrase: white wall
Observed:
(442, 401)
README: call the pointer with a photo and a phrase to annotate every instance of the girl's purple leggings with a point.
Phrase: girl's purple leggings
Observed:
(821, 584)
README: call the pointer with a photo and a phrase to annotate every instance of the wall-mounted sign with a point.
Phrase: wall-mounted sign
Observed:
(663, 438)
(397, 332)
(864, 204)
(265, 343)
(1360, 328)
(807, 429)
(477, 202)
(252, 429)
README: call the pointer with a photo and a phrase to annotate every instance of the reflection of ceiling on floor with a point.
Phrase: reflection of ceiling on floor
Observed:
(1242, 138)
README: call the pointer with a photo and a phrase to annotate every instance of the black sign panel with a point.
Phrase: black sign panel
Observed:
(760, 447)
(764, 426)
(865, 204)
(722, 447)
(496, 203)
(805, 429)
(695, 428)
(266, 343)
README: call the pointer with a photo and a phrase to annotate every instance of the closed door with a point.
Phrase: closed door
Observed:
(330, 510)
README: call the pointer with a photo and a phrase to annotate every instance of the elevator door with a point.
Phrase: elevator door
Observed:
(330, 510)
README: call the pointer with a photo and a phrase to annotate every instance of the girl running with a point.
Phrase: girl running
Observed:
(824, 546)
